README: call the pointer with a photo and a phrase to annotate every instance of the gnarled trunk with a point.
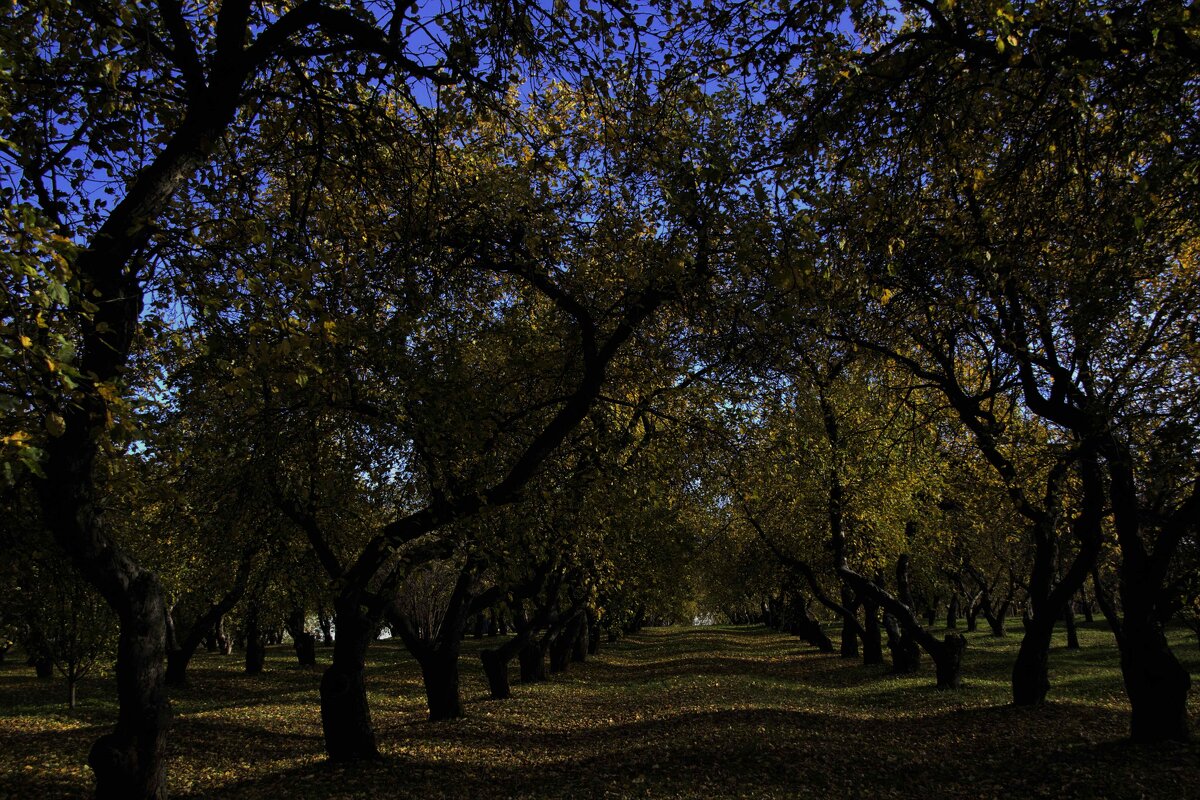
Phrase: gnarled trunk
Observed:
(906, 654)
(130, 762)
(345, 715)
(1031, 670)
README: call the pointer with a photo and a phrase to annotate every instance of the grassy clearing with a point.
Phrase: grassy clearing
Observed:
(684, 712)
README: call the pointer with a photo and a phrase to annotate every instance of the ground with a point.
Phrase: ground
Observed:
(725, 712)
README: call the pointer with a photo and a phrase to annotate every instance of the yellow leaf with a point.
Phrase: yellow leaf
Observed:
(55, 424)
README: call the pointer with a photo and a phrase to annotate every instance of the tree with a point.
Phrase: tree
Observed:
(1037, 252)
(147, 95)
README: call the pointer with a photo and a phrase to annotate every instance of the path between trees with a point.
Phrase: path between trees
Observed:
(681, 712)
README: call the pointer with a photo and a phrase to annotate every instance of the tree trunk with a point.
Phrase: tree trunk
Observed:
(224, 640)
(304, 642)
(872, 650)
(906, 655)
(345, 715)
(809, 629)
(948, 663)
(177, 664)
(1085, 606)
(495, 667)
(43, 667)
(306, 649)
(326, 624)
(593, 630)
(579, 645)
(1156, 682)
(560, 649)
(972, 616)
(533, 662)
(72, 685)
(996, 619)
(849, 644)
(130, 762)
(1069, 622)
(952, 613)
(439, 668)
(1030, 675)
(256, 650)
(256, 655)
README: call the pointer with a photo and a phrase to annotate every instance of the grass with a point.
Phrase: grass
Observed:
(682, 712)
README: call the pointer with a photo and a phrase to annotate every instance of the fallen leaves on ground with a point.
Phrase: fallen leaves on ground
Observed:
(682, 712)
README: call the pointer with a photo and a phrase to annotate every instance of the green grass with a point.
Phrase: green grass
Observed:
(683, 712)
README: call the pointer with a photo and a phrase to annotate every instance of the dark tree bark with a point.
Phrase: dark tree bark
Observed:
(533, 661)
(303, 642)
(972, 613)
(129, 761)
(872, 650)
(495, 669)
(437, 652)
(1108, 607)
(1085, 605)
(207, 625)
(996, 620)
(1069, 623)
(345, 715)
(43, 666)
(562, 644)
(256, 643)
(802, 623)
(906, 654)
(1157, 684)
(946, 654)
(439, 669)
(580, 644)
(593, 632)
(496, 660)
(325, 622)
(1031, 677)
(952, 612)
(995, 616)
(799, 619)
(850, 630)
(1031, 670)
